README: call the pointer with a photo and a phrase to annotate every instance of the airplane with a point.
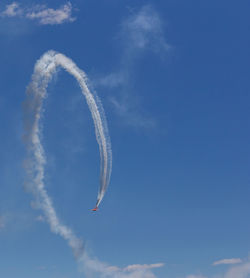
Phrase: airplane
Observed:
(95, 209)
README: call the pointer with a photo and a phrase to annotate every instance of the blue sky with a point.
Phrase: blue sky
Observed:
(173, 78)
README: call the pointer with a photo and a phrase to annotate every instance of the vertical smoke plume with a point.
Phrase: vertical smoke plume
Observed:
(44, 70)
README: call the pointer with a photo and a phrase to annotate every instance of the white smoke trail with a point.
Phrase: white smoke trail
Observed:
(44, 70)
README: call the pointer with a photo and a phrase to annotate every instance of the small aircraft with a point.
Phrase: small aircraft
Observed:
(95, 209)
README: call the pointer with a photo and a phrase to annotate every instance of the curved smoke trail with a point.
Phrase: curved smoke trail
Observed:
(44, 70)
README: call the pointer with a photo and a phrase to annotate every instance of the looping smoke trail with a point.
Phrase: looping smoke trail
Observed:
(44, 70)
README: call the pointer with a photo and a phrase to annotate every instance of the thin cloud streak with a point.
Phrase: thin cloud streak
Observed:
(228, 261)
(134, 267)
(94, 268)
(41, 13)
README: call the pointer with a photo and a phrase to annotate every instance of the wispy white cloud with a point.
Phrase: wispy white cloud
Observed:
(142, 30)
(130, 111)
(12, 10)
(112, 80)
(228, 261)
(41, 13)
(242, 270)
(95, 268)
(51, 16)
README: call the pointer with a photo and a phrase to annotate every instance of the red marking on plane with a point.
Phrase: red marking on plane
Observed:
(95, 209)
